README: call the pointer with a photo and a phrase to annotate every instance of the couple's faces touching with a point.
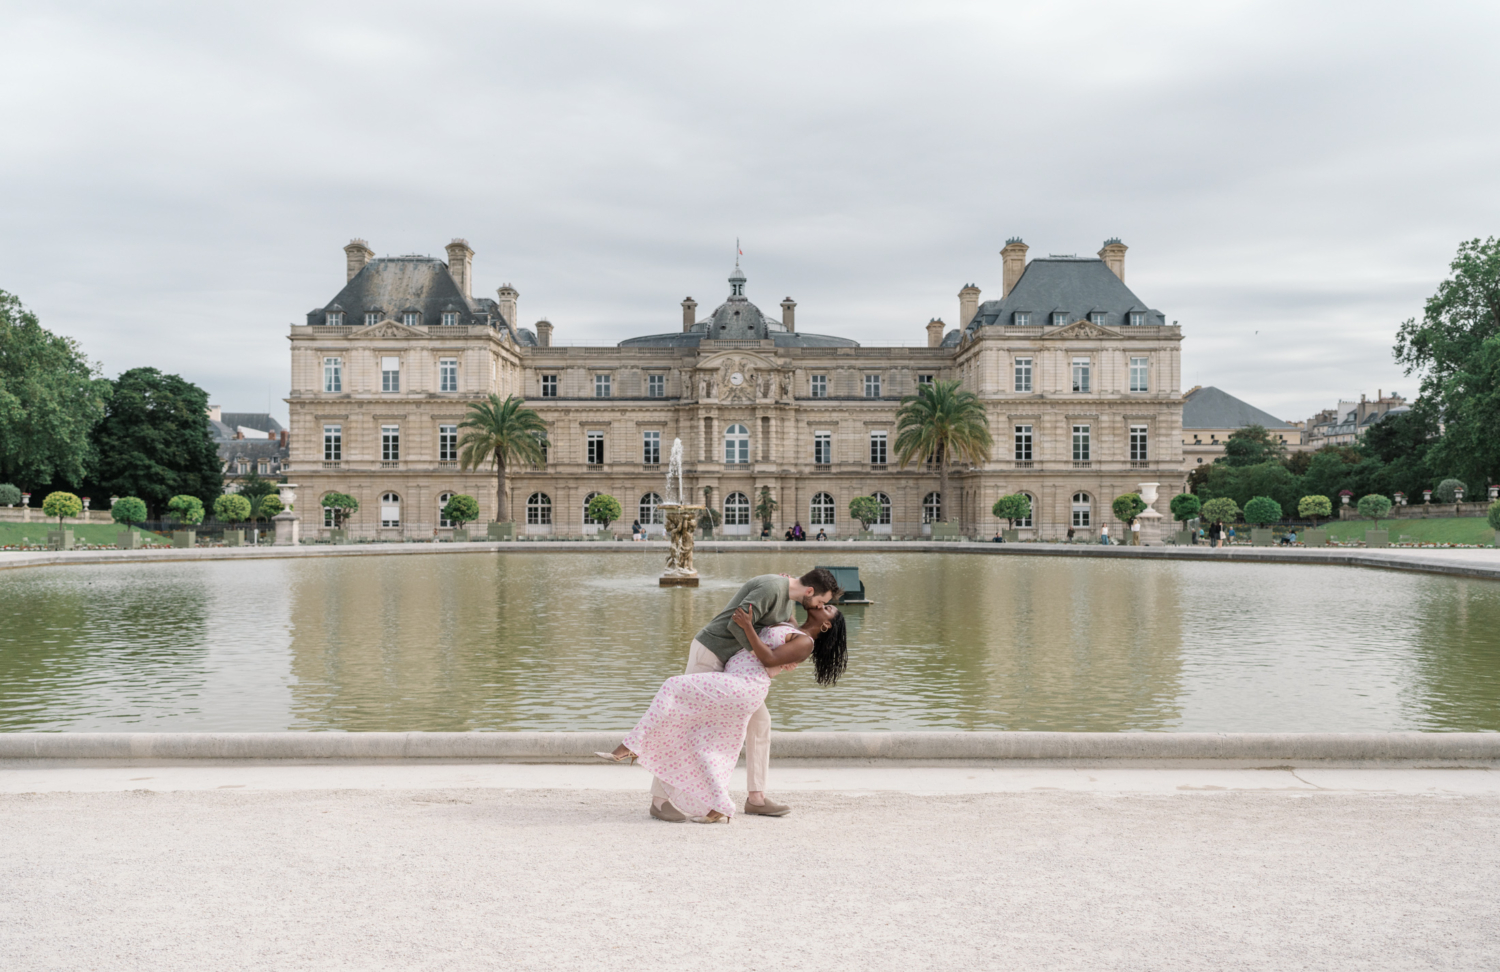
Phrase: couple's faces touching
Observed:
(823, 614)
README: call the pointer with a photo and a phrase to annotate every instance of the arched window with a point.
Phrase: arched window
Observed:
(1026, 521)
(586, 501)
(932, 508)
(651, 509)
(538, 510)
(1081, 509)
(390, 510)
(442, 505)
(822, 510)
(736, 510)
(737, 444)
(885, 509)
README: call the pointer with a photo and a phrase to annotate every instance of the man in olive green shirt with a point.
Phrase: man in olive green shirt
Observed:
(770, 598)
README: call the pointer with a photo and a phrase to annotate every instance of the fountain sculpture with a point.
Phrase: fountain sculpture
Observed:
(682, 521)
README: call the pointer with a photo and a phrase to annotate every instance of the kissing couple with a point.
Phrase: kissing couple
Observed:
(690, 737)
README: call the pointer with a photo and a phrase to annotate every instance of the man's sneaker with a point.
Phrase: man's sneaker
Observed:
(668, 812)
(768, 809)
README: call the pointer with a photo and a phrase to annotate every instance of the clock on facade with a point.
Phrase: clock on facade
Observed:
(736, 379)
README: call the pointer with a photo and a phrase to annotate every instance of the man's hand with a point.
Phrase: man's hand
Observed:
(744, 619)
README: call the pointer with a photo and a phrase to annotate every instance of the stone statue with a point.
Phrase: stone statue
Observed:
(682, 522)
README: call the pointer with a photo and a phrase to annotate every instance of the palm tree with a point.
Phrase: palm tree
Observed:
(939, 422)
(505, 433)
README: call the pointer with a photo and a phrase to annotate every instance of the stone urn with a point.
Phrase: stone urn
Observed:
(1150, 520)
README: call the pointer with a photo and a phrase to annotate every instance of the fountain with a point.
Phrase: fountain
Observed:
(682, 521)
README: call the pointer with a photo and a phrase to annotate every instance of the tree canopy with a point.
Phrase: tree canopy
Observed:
(10, 495)
(865, 509)
(128, 510)
(605, 509)
(1222, 508)
(186, 509)
(343, 506)
(1314, 507)
(460, 509)
(1185, 506)
(1262, 510)
(154, 440)
(1251, 446)
(1016, 506)
(51, 397)
(503, 433)
(61, 504)
(231, 508)
(765, 506)
(1128, 506)
(1374, 506)
(940, 423)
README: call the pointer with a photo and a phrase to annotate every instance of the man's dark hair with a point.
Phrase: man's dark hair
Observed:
(822, 581)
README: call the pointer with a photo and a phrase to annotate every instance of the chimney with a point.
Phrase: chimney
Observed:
(461, 265)
(544, 333)
(968, 304)
(1113, 256)
(789, 314)
(935, 332)
(508, 296)
(215, 413)
(285, 435)
(1013, 259)
(689, 314)
(358, 253)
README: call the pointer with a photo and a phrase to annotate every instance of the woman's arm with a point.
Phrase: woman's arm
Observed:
(796, 649)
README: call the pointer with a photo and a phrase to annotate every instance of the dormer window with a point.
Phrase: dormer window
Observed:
(411, 319)
(1137, 318)
(1096, 317)
(333, 318)
(1022, 318)
(450, 318)
(1059, 318)
(372, 318)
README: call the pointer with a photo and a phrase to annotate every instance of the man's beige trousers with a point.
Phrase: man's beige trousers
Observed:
(757, 738)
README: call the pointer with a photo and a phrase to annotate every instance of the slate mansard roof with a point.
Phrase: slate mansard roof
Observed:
(393, 286)
(1211, 408)
(1075, 286)
(738, 320)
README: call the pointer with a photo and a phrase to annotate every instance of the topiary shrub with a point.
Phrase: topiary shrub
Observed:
(62, 504)
(865, 509)
(459, 509)
(1016, 506)
(9, 495)
(1222, 508)
(1373, 507)
(268, 507)
(1185, 506)
(1312, 507)
(605, 509)
(128, 510)
(344, 506)
(230, 508)
(1445, 490)
(1262, 510)
(186, 510)
(1128, 506)
(1493, 516)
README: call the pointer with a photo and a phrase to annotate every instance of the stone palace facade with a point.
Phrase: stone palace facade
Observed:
(1081, 380)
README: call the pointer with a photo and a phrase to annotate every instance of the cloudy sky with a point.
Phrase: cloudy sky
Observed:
(177, 180)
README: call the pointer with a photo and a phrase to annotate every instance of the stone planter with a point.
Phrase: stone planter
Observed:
(184, 538)
(1262, 537)
(1315, 538)
(1011, 536)
(128, 540)
(502, 531)
(1183, 538)
(234, 538)
(460, 535)
(338, 536)
(60, 539)
(1377, 538)
(708, 533)
(863, 535)
(945, 531)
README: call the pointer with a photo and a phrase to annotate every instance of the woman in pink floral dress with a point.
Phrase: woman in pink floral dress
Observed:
(690, 737)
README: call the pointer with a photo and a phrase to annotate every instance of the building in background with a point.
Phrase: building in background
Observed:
(249, 442)
(1210, 415)
(1080, 379)
(1348, 423)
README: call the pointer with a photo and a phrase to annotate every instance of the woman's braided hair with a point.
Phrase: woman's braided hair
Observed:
(831, 651)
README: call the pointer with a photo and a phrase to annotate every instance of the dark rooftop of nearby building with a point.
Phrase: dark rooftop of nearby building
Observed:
(1075, 286)
(390, 287)
(1212, 408)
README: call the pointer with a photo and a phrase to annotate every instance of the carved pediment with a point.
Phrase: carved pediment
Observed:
(388, 329)
(1081, 330)
(738, 376)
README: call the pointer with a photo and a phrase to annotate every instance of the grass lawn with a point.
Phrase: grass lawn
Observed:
(98, 534)
(1452, 529)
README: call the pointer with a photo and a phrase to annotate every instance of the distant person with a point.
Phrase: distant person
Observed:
(789, 534)
(1070, 534)
(822, 534)
(1216, 534)
(1104, 535)
(998, 538)
(1231, 534)
(797, 532)
(635, 529)
(765, 531)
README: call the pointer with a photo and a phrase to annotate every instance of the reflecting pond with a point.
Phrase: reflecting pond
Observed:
(571, 641)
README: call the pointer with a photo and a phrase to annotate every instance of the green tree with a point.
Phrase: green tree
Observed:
(1262, 510)
(1447, 490)
(343, 506)
(154, 440)
(10, 495)
(605, 509)
(1222, 508)
(765, 507)
(51, 397)
(504, 433)
(460, 509)
(253, 486)
(1456, 349)
(128, 510)
(940, 423)
(1128, 506)
(231, 508)
(186, 509)
(1251, 446)
(1185, 506)
(1010, 508)
(269, 507)
(1493, 516)
(60, 504)
(1373, 507)
(1313, 507)
(865, 509)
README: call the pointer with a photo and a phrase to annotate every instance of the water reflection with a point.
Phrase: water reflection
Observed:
(571, 641)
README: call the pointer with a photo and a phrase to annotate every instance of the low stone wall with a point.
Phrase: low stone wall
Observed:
(546, 747)
(34, 514)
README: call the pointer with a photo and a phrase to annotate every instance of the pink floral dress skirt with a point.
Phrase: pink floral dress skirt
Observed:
(691, 736)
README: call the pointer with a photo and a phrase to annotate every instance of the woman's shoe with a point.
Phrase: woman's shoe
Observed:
(713, 816)
(612, 758)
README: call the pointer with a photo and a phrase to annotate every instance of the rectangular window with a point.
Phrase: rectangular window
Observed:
(1137, 318)
(1137, 443)
(1023, 374)
(333, 374)
(656, 386)
(411, 318)
(1096, 317)
(333, 443)
(601, 386)
(822, 448)
(596, 449)
(333, 318)
(878, 448)
(390, 374)
(390, 443)
(819, 386)
(1059, 317)
(651, 448)
(1081, 443)
(447, 443)
(1081, 376)
(450, 318)
(371, 319)
(1138, 374)
(1023, 318)
(1023, 443)
(924, 379)
(549, 386)
(447, 374)
(872, 386)
(262, 467)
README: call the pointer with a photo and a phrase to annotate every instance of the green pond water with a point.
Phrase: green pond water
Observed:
(574, 641)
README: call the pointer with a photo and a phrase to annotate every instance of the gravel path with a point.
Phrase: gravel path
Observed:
(582, 880)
